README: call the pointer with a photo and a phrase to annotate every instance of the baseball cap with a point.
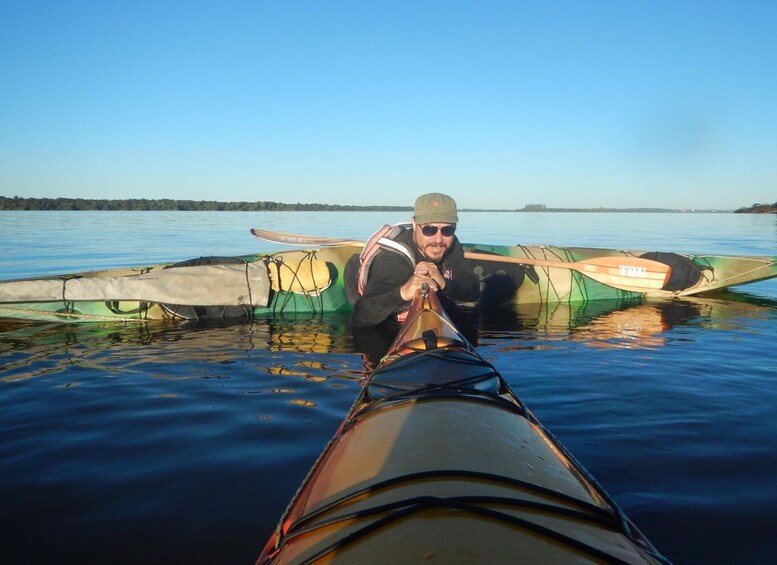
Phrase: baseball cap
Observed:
(435, 208)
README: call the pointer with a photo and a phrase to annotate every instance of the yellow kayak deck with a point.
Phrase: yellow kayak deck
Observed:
(438, 460)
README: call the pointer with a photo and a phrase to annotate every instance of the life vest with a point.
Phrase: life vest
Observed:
(383, 239)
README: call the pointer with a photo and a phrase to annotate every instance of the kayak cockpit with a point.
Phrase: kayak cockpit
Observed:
(435, 371)
(431, 355)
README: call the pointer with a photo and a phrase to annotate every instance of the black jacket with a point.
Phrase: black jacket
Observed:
(390, 270)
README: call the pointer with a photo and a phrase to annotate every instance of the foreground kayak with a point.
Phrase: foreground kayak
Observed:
(439, 460)
(322, 280)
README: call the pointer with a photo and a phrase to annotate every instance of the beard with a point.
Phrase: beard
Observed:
(434, 252)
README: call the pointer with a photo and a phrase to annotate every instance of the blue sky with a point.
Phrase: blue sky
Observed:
(500, 104)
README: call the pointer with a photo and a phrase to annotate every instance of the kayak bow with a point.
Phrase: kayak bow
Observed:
(439, 459)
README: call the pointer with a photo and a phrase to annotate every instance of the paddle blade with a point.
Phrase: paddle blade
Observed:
(627, 273)
(301, 240)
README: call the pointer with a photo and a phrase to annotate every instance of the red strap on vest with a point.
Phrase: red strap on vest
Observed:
(374, 245)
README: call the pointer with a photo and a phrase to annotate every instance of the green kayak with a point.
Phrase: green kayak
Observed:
(689, 274)
(321, 280)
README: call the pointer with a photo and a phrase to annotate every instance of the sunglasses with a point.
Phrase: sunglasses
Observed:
(430, 231)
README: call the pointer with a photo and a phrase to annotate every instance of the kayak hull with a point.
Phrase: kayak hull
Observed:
(691, 274)
(456, 446)
(315, 281)
(292, 282)
(439, 459)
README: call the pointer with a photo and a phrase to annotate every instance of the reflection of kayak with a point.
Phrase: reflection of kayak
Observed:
(24, 344)
(622, 323)
(438, 459)
(314, 281)
(645, 325)
(626, 323)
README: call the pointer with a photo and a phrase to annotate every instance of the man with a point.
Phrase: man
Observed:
(439, 261)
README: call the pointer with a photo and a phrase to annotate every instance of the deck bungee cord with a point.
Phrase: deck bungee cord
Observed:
(297, 279)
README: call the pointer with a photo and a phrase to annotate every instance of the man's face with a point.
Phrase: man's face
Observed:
(434, 246)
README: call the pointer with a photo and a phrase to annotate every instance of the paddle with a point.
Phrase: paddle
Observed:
(299, 239)
(626, 273)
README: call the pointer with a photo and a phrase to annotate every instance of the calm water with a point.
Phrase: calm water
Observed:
(154, 442)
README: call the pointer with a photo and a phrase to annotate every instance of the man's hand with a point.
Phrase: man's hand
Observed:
(429, 269)
(425, 272)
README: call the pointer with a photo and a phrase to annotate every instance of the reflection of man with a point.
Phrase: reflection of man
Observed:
(439, 261)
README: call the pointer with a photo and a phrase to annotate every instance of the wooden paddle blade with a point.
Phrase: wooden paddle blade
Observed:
(629, 273)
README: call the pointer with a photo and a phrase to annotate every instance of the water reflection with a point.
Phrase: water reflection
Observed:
(29, 350)
(374, 342)
(144, 421)
(619, 323)
(317, 335)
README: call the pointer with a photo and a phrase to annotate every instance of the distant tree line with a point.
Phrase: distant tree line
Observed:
(169, 204)
(544, 208)
(758, 209)
(166, 204)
